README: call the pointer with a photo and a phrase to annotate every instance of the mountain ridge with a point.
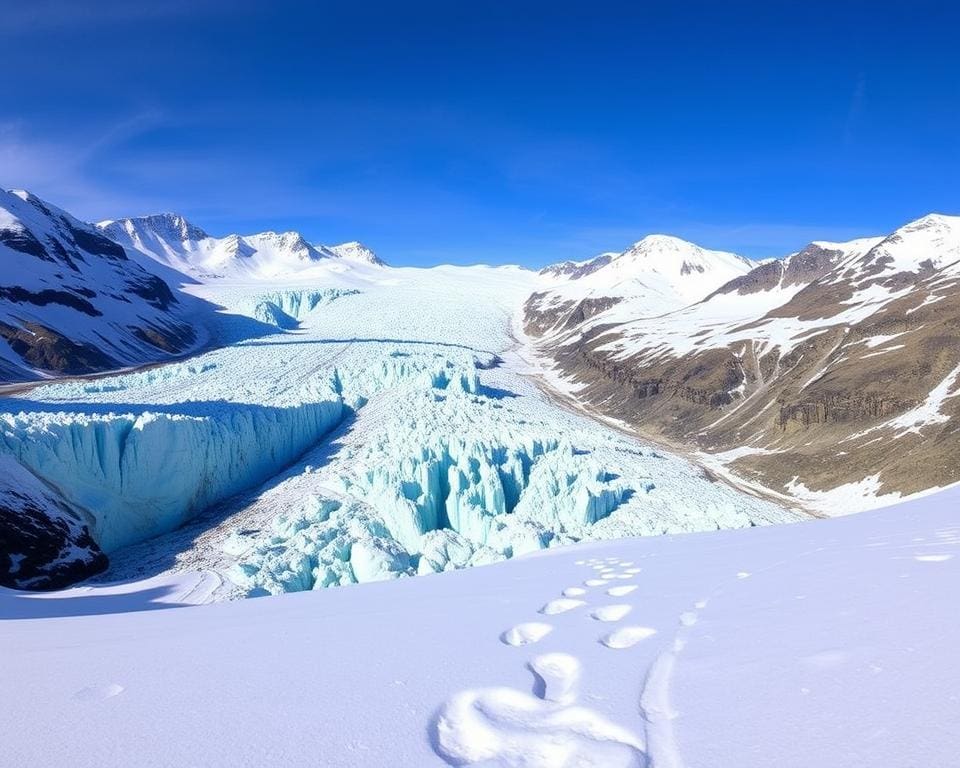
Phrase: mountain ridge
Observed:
(838, 343)
(174, 242)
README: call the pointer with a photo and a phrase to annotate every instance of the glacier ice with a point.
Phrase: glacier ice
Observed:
(138, 474)
(285, 309)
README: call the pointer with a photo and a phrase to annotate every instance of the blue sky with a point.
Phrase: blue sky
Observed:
(505, 132)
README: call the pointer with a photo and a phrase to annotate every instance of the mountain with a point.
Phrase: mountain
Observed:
(655, 275)
(355, 251)
(834, 368)
(172, 241)
(72, 300)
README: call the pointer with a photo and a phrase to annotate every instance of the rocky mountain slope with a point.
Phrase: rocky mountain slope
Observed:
(73, 301)
(174, 242)
(834, 368)
(44, 543)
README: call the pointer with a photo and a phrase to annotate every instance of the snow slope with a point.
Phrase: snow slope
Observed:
(827, 644)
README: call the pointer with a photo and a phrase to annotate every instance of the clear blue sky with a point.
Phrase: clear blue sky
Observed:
(503, 132)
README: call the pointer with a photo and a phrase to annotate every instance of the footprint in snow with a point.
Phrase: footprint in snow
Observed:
(514, 729)
(526, 633)
(932, 558)
(561, 605)
(596, 582)
(557, 676)
(627, 637)
(611, 612)
(688, 618)
(574, 592)
(622, 590)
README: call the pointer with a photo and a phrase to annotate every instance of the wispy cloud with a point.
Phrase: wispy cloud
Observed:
(65, 171)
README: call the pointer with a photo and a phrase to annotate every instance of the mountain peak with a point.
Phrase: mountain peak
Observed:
(935, 221)
(167, 226)
(666, 253)
(357, 251)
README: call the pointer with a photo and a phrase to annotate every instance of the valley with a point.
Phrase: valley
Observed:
(352, 430)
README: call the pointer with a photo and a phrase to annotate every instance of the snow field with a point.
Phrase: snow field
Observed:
(737, 643)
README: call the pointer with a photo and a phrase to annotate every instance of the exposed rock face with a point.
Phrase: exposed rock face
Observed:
(839, 363)
(44, 348)
(43, 543)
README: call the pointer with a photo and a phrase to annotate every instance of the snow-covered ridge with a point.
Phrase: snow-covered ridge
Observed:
(174, 242)
(661, 262)
(931, 242)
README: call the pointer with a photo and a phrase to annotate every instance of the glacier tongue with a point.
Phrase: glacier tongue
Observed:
(394, 431)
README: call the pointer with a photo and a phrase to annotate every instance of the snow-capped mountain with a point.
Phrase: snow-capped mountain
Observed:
(355, 251)
(655, 275)
(841, 344)
(174, 242)
(72, 301)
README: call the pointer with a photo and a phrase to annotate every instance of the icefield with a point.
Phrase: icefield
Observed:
(826, 643)
(392, 426)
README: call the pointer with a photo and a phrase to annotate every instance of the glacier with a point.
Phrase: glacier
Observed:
(391, 427)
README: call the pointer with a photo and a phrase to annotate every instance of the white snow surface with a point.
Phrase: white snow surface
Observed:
(828, 644)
